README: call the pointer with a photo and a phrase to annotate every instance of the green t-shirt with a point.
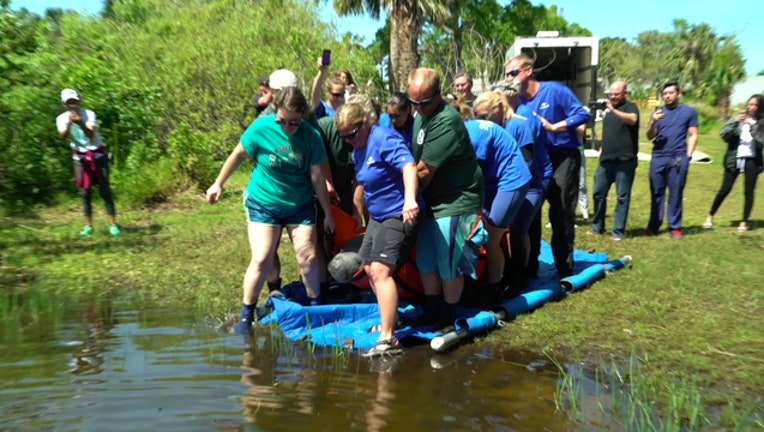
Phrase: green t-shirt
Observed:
(442, 141)
(340, 156)
(281, 176)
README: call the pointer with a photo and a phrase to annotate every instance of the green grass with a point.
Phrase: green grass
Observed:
(690, 309)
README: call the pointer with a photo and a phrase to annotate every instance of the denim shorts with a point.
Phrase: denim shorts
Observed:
(280, 216)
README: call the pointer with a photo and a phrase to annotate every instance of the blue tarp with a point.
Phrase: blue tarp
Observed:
(349, 324)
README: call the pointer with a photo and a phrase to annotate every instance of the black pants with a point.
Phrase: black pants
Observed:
(102, 166)
(563, 199)
(751, 174)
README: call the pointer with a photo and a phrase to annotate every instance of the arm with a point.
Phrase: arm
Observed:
(692, 140)
(410, 188)
(652, 131)
(326, 171)
(318, 82)
(237, 156)
(359, 204)
(629, 119)
(425, 172)
(319, 185)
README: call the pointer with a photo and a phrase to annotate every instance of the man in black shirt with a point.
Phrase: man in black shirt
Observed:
(617, 160)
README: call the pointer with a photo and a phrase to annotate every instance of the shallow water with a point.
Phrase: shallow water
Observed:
(118, 366)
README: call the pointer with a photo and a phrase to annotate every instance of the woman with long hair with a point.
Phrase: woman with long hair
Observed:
(744, 134)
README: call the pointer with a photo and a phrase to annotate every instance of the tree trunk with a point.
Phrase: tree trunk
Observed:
(405, 25)
(724, 104)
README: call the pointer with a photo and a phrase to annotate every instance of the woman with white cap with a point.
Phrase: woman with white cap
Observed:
(91, 164)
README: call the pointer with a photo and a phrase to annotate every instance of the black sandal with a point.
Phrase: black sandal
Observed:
(385, 347)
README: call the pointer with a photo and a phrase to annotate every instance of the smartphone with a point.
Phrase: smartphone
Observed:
(326, 57)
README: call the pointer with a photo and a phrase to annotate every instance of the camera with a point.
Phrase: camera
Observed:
(597, 106)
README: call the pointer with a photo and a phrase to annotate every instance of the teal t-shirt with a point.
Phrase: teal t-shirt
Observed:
(281, 176)
(442, 141)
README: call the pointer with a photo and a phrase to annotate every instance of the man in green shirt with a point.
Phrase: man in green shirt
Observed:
(453, 190)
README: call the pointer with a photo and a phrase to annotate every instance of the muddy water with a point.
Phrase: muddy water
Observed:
(120, 366)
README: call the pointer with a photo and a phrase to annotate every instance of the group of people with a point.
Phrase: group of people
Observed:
(438, 177)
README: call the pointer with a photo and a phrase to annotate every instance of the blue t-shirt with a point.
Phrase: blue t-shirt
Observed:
(281, 176)
(407, 131)
(324, 110)
(519, 128)
(378, 168)
(540, 151)
(671, 130)
(555, 102)
(498, 155)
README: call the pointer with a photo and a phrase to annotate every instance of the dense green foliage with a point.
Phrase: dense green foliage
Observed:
(171, 85)
(172, 82)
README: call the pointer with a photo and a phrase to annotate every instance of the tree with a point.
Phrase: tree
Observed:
(406, 19)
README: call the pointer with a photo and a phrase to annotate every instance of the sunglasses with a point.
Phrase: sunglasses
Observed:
(514, 72)
(283, 122)
(421, 102)
(352, 135)
(338, 95)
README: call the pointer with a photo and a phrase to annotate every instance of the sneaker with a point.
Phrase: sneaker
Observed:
(708, 225)
(86, 231)
(617, 238)
(742, 228)
(113, 230)
(677, 234)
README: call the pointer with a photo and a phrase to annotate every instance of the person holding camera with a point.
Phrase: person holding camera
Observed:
(673, 129)
(617, 160)
(91, 164)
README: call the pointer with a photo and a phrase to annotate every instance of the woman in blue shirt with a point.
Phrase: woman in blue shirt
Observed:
(386, 171)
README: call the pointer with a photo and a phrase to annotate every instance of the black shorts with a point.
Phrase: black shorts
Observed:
(389, 241)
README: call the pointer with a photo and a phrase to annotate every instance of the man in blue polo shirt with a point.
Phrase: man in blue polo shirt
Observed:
(560, 113)
(673, 129)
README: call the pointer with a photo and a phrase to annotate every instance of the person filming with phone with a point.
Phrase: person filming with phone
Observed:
(333, 86)
(617, 160)
(91, 164)
(673, 129)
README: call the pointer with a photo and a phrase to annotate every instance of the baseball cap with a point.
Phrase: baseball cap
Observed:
(282, 78)
(68, 94)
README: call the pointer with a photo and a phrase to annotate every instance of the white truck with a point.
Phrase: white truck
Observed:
(572, 60)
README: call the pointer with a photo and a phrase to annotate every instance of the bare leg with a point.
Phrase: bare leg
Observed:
(263, 240)
(387, 296)
(494, 254)
(304, 242)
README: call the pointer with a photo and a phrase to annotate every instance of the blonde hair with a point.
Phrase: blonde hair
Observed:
(494, 101)
(428, 77)
(371, 109)
(349, 114)
(522, 59)
(461, 106)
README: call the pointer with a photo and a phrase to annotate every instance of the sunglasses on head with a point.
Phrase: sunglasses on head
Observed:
(352, 135)
(421, 102)
(283, 122)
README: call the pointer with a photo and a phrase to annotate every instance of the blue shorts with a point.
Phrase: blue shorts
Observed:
(500, 208)
(451, 245)
(279, 216)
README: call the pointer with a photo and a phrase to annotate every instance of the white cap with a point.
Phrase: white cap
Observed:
(282, 78)
(68, 94)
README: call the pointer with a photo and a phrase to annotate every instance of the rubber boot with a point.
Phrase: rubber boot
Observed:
(446, 317)
(431, 311)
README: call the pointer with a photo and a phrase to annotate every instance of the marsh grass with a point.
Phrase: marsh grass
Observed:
(692, 307)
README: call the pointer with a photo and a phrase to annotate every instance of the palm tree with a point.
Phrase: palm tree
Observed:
(406, 20)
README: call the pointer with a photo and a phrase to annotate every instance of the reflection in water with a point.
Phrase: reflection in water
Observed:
(104, 365)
